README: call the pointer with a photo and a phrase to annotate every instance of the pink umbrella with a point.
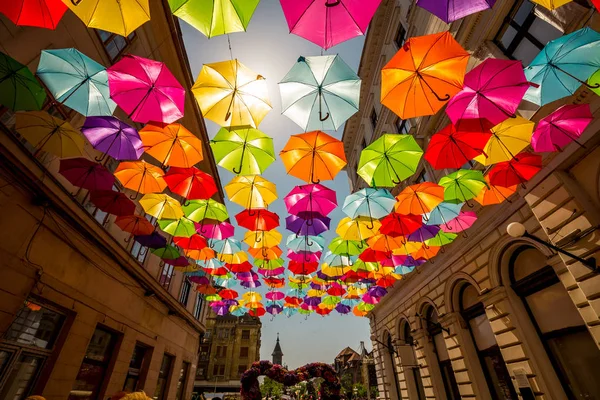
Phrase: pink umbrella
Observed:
(275, 295)
(463, 221)
(146, 90)
(311, 198)
(329, 22)
(562, 127)
(304, 256)
(493, 90)
(220, 231)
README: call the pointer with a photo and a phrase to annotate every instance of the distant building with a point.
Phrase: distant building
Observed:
(229, 347)
(277, 353)
(359, 365)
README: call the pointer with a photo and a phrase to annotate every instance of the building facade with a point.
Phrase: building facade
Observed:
(359, 366)
(492, 317)
(277, 353)
(84, 310)
(229, 346)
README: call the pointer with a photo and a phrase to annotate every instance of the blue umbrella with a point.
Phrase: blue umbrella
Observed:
(563, 66)
(369, 202)
(227, 246)
(310, 244)
(288, 312)
(443, 213)
(239, 311)
(76, 81)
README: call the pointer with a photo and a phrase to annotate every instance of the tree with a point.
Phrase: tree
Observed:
(347, 383)
(360, 391)
(271, 389)
(374, 392)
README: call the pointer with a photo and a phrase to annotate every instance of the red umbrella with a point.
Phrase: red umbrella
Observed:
(229, 294)
(38, 13)
(322, 311)
(518, 170)
(135, 224)
(112, 202)
(86, 174)
(194, 242)
(458, 144)
(257, 312)
(257, 220)
(243, 267)
(303, 268)
(400, 225)
(190, 183)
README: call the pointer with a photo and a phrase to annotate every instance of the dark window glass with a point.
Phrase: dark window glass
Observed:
(137, 366)
(166, 275)
(186, 287)
(219, 370)
(403, 126)
(161, 390)
(115, 45)
(35, 326)
(183, 376)
(245, 334)
(400, 37)
(198, 308)
(243, 352)
(411, 359)
(373, 118)
(21, 376)
(439, 346)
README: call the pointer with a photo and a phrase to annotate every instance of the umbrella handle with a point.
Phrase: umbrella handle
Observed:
(321, 118)
(257, 240)
(100, 159)
(237, 172)
(75, 2)
(309, 244)
(465, 235)
(264, 252)
(360, 246)
(327, 4)
(251, 212)
(309, 222)
(315, 182)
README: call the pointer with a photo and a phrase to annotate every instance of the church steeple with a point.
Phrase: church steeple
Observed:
(277, 353)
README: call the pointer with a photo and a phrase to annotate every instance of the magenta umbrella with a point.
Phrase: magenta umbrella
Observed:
(220, 231)
(269, 273)
(146, 90)
(275, 295)
(493, 90)
(562, 127)
(113, 137)
(86, 174)
(307, 223)
(451, 10)
(304, 256)
(329, 22)
(463, 221)
(312, 198)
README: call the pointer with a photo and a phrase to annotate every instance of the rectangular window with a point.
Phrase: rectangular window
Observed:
(245, 334)
(183, 376)
(161, 391)
(219, 370)
(524, 34)
(198, 309)
(242, 369)
(403, 126)
(204, 353)
(137, 250)
(166, 274)
(114, 45)
(400, 37)
(186, 287)
(35, 326)
(373, 118)
(138, 367)
(94, 368)
(243, 352)
(221, 351)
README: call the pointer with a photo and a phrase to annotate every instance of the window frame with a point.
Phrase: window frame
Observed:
(142, 372)
(184, 293)
(374, 118)
(415, 369)
(129, 40)
(401, 32)
(166, 273)
(198, 307)
(247, 352)
(400, 124)
(184, 373)
(168, 376)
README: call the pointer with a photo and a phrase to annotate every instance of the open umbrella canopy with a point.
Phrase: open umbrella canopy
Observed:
(257, 220)
(231, 94)
(202, 209)
(359, 229)
(389, 160)
(146, 90)
(313, 156)
(19, 90)
(161, 206)
(141, 177)
(76, 81)
(307, 223)
(37, 13)
(493, 194)
(173, 145)
(462, 185)
(154, 240)
(50, 134)
(397, 225)
(117, 16)
(463, 221)
(251, 192)
(419, 199)
(443, 213)
(310, 243)
(111, 202)
(86, 174)
(312, 198)
(346, 247)
(190, 183)
(259, 239)
(518, 170)
(329, 22)
(220, 231)
(552, 4)
(425, 73)
(215, 18)
(320, 93)
(243, 150)
(562, 127)
(135, 224)
(563, 65)
(452, 10)
(182, 227)
(369, 202)
(113, 137)
(508, 139)
(385, 243)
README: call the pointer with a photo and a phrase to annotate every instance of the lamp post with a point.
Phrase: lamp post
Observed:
(517, 230)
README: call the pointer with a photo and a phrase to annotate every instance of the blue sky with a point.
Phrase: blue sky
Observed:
(269, 50)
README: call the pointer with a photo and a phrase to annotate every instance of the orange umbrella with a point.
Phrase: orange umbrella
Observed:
(204, 254)
(419, 199)
(266, 253)
(313, 156)
(494, 194)
(426, 252)
(135, 224)
(172, 144)
(425, 73)
(141, 177)
(385, 243)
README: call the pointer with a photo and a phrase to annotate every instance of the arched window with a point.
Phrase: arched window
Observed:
(570, 347)
(389, 364)
(434, 328)
(412, 372)
(492, 363)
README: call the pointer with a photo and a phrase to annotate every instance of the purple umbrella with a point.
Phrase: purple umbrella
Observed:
(367, 298)
(247, 276)
(229, 302)
(200, 280)
(219, 307)
(343, 308)
(177, 262)
(451, 10)
(113, 137)
(376, 291)
(307, 223)
(312, 301)
(424, 233)
(250, 284)
(324, 277)
(274, 309)
(154, 241)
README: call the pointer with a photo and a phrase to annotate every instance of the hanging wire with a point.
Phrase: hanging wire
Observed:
(230, 50)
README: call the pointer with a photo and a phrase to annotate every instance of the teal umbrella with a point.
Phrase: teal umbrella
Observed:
(369, 202)
(320, 93)
(443, 213)
(76, 81)
(19, 90)
(310, 244)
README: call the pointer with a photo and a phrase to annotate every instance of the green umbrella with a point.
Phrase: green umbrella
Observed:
(389, 160)
(340, 246)
(167, 252)
(182, 227)
(462, 185)
(331, 300)
(19, 90)
(243, 150)
(215, 17)
(199, 210)
(441, 239)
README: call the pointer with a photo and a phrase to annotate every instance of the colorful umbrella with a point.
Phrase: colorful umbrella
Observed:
(425, 232)
(266, 253)
(369, 202)
(516, 171)
(385, 243)
(194, 242)
(182, 227)
(251, 192)
(419, 199)
(462, 185)
(492, 194)
(112, 202)
(303, 268)
(425, 73)
(161, 206)
(396, 225)
(443, 238)
(215, 18)
(329, 22)
(464, 221)
(190, 183)
(220, 231)
(141, 177)
(360, 228)
(113, 137)
(346, 247)
(135, 224)
(563, 66)
(172, 145)
(443, 213)
(154, 240)
(312, 198)
(307, 223)
(313, 156)
(320, 93)
(493, 91)
(552, 4)
(86, 174)
(562, 127)
(259, 239)
(202, 209)
(257, 220)
(146, 90)
(243, 150)
(76, 81)
(452, 10)
(508, 138)
(117, 16)
(311, 243)
(389, 160)
(19, 90)
(231, 94)
(50, 134)
(39, 13)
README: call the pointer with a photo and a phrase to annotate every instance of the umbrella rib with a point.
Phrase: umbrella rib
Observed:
(301, 16)
(299, 99)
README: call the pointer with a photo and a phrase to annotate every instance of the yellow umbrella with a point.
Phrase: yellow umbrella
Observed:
(231, 94)
(235, 258)
(50, 134)
(251, 192)
(407, 248)
(252, 297)
(257, 239)
(161, 206)
(552, 4)
(337, 270)
(360, 228)
(509, 139)
(117, 16)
